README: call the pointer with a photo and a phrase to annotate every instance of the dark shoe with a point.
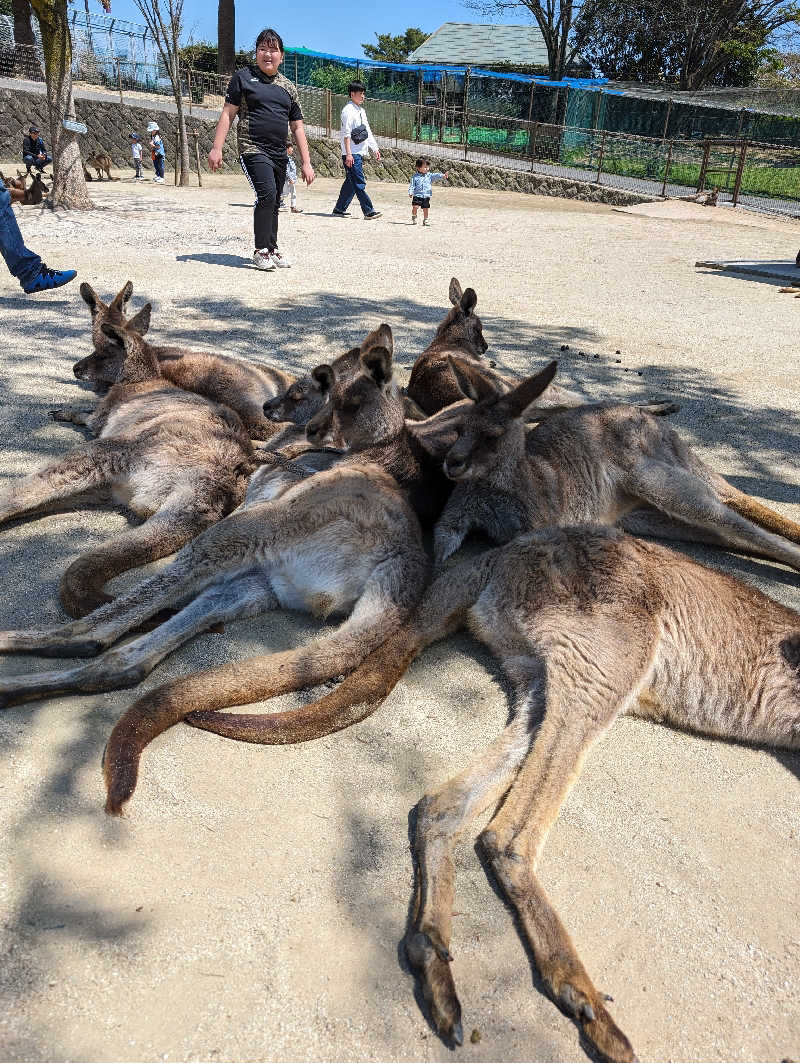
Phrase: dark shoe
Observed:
(49, 278)
(340, 213)
(374, 214)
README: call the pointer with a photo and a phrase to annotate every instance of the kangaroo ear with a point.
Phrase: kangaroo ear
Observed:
(516, 401)
(468, 301)
(140, 322)
(473, 382)
(123, 296)
(378, 363)
(114, 332)
(379, 337)
(324, 377)
(455, 292)
(437, 434)
(90, 296)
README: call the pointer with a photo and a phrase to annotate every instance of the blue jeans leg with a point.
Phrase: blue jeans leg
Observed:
(158, 164)
(354, 185)
(22, 263)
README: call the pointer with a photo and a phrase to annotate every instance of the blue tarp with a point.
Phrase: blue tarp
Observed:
(432, 71)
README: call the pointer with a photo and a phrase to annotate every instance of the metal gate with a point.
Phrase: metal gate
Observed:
(722, 167)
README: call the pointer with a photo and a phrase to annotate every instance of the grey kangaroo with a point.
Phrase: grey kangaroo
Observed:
(174, 458)
(588, 624)
(242, 385)
(594, 463)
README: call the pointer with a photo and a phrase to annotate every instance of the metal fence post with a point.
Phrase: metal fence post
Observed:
(666, 170)
(465, 113)
(600, 160)
(737, 186)
(419, 105)
(396, 121)
(328, 115)
(189, 90)
(119, 79)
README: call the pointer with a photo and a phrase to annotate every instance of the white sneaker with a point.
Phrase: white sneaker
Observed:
(280, 260)
(159, 180)
(263, 260)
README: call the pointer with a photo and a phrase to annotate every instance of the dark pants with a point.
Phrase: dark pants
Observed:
(158, 164)
(354, 185)
(39, 164)
(266, 176)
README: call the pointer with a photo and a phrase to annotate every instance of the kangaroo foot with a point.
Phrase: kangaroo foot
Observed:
(574, 992)
(432, 964)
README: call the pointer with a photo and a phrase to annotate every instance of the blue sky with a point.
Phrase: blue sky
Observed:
(319, 24)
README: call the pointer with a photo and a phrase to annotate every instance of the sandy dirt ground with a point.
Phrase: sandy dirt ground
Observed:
(250, 905)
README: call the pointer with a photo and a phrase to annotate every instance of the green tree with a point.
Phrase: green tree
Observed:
(692, 43)
(397, 49)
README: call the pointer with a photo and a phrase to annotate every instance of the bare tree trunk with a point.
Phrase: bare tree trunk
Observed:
(69, 186)
(226, 35)
(25, 61)
(183, 140)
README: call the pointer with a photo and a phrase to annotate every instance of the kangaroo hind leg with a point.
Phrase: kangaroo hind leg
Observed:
(83, 469)
(442, 816)
(593, 681)
(683, 494)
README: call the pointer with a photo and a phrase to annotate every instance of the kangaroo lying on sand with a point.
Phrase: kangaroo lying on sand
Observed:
(242, 385)
(174, 458)
(343, 540)
(433, 384)
(593, 463)
(588, 624)
(364, 412)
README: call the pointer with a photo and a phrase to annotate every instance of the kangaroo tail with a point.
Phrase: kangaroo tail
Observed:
(376, 616)
(760, 514)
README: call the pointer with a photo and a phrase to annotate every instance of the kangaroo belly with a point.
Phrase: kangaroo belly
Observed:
(314, 577)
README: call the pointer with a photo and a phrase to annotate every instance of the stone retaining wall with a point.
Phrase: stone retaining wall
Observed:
(110, 122)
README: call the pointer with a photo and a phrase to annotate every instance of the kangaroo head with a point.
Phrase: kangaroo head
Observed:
(305, 397)
(462, 328)
(103, 366)
(365, 407)
(490, 432)
(137, 360)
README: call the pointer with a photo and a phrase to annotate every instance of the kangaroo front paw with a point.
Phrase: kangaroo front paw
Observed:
(432, 964)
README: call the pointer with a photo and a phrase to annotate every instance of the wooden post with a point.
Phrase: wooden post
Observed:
(196, 134)
(602, 153)
(119, 79)
(465, 115)
(666, 170)
(419, 104)
(396, 121)
(189, 86)
(532, 143)
(701, 183)
(328, 114)
(737, 187)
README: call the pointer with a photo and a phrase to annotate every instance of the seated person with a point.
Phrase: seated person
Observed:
(34, 152)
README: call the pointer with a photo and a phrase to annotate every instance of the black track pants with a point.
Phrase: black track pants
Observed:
(267, 177)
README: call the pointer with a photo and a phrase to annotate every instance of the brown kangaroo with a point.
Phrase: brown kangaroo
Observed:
(242, 385)
(341, 540)
(174, 458)
(594, 463)
(433, 384)
(365, 413)
(101, 162)
(588, 624)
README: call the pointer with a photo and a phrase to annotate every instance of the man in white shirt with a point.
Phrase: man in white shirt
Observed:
(356, 140)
